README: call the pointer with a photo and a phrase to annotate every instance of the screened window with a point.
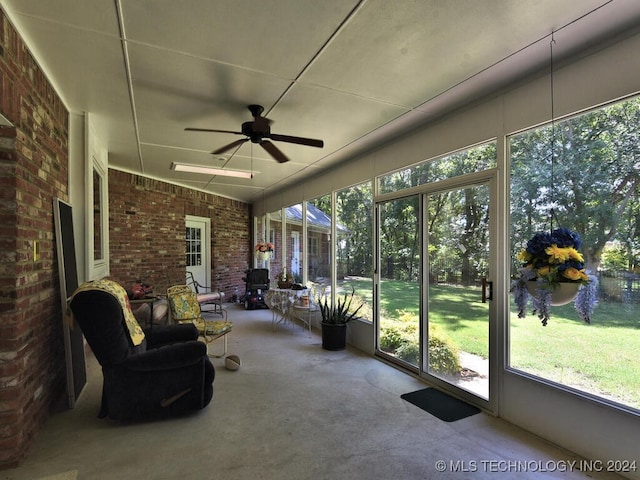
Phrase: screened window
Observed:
(354, 244)
(319, 256)
(293, 225)
(275, 237)
(587, 169)
(472, 160)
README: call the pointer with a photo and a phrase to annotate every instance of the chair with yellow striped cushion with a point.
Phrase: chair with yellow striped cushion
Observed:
(184, 308)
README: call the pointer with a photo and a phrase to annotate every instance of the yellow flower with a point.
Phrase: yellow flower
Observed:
(524, 256)
(575, 274)
(557, 254)
(543, 271)
(575, 255)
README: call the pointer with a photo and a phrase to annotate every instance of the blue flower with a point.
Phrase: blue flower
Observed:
(538, 243)
(542, 302)
(563, 237)
(586, 300)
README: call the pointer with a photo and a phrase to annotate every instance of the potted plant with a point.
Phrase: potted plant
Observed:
(335, 319)
(553, 273)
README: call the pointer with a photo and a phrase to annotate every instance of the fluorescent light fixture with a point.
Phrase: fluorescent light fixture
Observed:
(184, 167)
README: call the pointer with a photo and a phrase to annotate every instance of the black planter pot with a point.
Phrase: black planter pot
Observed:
(334, 337)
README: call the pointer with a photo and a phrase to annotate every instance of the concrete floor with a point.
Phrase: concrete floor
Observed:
(292, 411)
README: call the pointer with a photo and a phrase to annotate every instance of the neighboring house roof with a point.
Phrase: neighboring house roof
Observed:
(316, 218)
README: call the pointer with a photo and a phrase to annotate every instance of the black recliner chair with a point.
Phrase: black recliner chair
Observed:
(167, 374)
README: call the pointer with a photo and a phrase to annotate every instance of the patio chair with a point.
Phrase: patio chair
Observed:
(208, 298)
(185, 308)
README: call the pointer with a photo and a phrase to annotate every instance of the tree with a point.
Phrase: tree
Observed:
(582, 173)
(400, 241)
(355, 248)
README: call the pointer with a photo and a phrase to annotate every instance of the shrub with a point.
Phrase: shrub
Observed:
(444, 356)
(401, 339)
(366, 311)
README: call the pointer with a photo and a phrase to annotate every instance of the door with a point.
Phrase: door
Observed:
(198, 248)
(433, 284)
(457, 252)
(399, 281)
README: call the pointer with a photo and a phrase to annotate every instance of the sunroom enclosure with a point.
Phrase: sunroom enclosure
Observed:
(590, 176)
(567, 377)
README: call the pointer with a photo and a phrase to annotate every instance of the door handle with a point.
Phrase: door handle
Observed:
(487, 287)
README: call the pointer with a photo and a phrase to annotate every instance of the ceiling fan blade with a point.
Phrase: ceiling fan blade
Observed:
(274, 151)
(311, 142)
(226, 148)
(191, 129)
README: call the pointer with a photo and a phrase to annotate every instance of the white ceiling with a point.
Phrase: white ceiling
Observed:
(354, 73)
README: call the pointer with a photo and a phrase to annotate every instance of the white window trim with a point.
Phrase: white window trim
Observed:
(96, 158)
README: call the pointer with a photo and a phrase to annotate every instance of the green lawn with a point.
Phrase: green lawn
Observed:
(600, 358)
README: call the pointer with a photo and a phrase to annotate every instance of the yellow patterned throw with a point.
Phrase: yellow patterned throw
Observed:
(115, 289)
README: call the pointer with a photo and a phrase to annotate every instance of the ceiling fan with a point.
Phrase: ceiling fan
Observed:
(259, 131)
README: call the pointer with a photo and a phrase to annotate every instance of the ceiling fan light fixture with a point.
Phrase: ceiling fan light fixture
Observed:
(185, 167)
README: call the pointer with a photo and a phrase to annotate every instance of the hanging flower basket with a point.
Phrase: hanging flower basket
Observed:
(561, 294)
(263, 256)
(263, 251)
(553, 274)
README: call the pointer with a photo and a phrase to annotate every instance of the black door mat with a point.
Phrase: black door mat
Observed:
(439, 404)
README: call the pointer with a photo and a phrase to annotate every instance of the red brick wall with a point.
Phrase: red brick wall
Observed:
(146, 238)
(147, 233)
(33, 170)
